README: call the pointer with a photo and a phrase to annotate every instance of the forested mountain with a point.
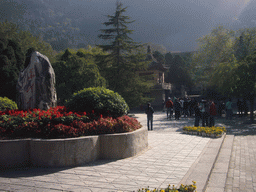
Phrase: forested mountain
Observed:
(57, 23)
(174, 24)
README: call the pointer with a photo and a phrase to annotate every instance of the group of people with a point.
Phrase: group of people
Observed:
(179, 107)
(204, 110)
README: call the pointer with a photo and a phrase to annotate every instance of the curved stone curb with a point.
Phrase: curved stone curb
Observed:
(201, 170)
(123, 145)
(64, 152)
(71, 151)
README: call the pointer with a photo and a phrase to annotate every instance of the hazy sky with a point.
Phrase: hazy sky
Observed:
(174, 23)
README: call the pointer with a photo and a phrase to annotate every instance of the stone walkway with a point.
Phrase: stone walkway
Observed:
(172, 158)
(235, 167)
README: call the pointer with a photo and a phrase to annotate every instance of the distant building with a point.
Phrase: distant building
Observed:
(155, 72)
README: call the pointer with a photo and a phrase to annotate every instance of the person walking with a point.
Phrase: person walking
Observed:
(239, 107)
(229, 109)
(197, 114)
(177, 108)
(192, 104)
(169, 107)
(213, 113)
(182, 106)
(149, 112)
(204, 107)
(186, 107)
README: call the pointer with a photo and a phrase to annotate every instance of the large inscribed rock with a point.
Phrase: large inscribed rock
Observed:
(36, 84)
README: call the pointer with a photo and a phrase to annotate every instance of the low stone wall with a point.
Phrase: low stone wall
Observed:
(71, 151)
(14, 153)
(123, 145)
(64, 152)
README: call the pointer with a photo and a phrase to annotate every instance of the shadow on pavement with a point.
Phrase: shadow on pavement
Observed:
(41, 171)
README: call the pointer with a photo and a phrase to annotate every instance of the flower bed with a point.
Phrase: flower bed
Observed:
(183, 188)
(58, 138)
(59, 123)
(204, 131)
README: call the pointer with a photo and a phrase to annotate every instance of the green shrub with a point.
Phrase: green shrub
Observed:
(6, 103)
(98, 100)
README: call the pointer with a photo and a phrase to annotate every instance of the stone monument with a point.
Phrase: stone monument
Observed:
(36, 84)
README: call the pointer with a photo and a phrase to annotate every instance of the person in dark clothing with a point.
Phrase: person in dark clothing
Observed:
(239, 107)
(185, 107)
(192, 104)
(149, 112)
(197, 114)
(244, 107)
(177, 108)
(221, 108)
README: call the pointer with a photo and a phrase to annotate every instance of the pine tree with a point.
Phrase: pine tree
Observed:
(124, 59)
(119, 33)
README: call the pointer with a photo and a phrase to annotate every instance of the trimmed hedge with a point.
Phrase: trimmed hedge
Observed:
(98, 100)
(6, 103)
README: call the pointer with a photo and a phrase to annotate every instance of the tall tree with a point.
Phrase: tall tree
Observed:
(11, 62)
(119, 34)
(245, 43)
(214, 48)
(75, 71)
(168, 59)
(159, 57)
(177, 74)
(237, 79)
(25, 39)
(123, 62)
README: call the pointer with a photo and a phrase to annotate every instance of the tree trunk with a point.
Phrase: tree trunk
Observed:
(251, 109)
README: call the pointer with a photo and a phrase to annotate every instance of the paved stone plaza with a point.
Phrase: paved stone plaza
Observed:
(172, 158)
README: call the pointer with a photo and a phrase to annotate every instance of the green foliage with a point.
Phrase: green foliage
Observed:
(237, 79)
(245, 43)
(159, 57)
(25, 39)
(11, 62)
(6, 103)
(75, 71)
(124, 59)
(223, 77)
(99, 100)
(168, 59)
(244, 77)
(215, 48)
(178, 74)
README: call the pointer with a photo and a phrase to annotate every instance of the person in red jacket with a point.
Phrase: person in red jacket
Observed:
(213, 112)
(169, 107)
